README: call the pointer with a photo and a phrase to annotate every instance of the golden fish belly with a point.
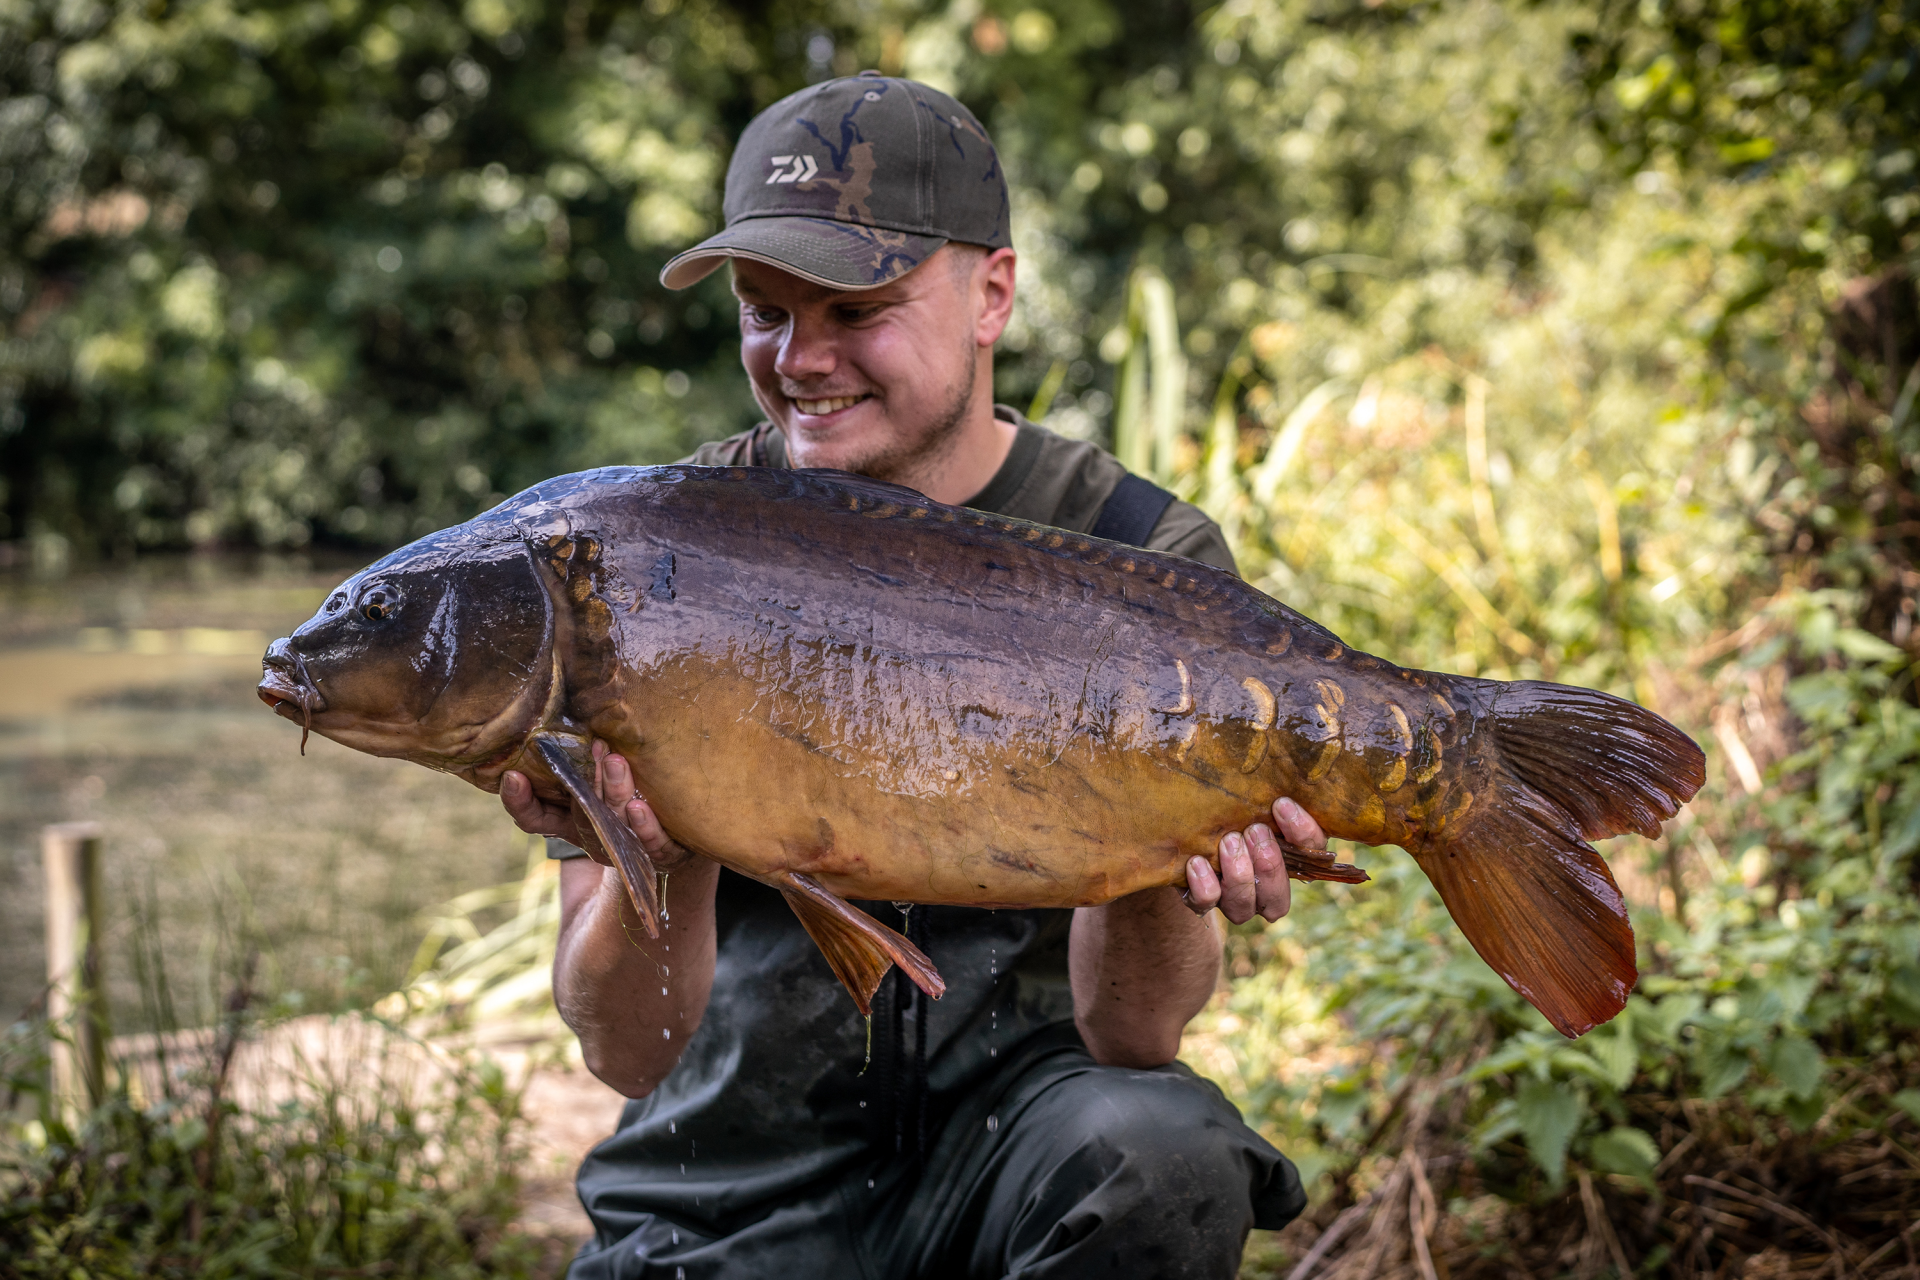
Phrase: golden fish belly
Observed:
(768, 783)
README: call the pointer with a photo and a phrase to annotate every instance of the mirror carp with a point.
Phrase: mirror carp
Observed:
(846, 690)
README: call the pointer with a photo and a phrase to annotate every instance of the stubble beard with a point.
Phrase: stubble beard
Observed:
(911, 460)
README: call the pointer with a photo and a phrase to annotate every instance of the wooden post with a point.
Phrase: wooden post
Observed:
(76, 1005)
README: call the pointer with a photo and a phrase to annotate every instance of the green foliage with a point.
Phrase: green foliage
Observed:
(349, 270)
(1818, 100)
(338, 1169)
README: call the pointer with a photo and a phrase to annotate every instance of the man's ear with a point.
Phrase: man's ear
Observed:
(993, 293)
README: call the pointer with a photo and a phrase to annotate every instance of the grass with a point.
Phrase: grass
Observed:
(363, 1157)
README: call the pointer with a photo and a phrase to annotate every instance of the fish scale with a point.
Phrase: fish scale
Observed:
(848, 691)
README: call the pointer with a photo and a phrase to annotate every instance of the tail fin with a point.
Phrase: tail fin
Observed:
(1536, 900)
(1610, 764)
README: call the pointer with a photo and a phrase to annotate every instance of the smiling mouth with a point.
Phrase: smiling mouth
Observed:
(820, 408)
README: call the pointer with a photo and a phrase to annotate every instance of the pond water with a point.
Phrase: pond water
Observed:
(126, 697)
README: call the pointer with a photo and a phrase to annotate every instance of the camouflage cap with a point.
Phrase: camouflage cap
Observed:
(853, 183)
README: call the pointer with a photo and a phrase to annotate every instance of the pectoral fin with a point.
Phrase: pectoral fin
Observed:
(636, 868)
(857, 947)
(1319, 864)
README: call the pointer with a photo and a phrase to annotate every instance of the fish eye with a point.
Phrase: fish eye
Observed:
(378, 603)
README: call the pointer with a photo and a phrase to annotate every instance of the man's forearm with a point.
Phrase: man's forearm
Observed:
(634, 1001)
(1141, 967)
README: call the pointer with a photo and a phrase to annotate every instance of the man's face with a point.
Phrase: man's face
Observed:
(875, 381)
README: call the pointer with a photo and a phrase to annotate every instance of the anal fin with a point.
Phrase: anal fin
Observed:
(858, 948)
(636, 868)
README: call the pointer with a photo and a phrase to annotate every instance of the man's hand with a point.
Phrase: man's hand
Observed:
(613, 779)
(1253, 871)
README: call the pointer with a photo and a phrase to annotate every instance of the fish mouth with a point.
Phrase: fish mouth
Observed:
(291, 697)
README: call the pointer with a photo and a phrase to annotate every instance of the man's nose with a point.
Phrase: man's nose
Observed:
(809, 351)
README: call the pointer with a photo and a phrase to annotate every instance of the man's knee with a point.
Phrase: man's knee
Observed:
(1151, 1171)
(1126, 1115)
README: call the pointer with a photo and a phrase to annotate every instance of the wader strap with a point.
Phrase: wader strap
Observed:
(1131, 511)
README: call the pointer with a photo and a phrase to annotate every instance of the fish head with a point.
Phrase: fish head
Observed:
(441, 653)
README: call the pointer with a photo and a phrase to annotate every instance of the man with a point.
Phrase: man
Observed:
(1033, 1122)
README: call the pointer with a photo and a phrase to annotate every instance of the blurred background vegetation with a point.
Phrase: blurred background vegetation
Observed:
(1575, 340)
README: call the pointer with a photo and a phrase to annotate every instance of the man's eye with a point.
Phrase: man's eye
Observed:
(765, 316)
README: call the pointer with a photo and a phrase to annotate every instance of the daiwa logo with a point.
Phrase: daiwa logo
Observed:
(802, 171)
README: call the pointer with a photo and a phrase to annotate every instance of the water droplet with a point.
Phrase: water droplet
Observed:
(676, 1237)
(666, 1034)
(679, 1273)
(673, 1126)
(863, 1102)
(683, 1168)
(993, 1053)
(663, 991)
(993, 1124)
(664, 971)
(869, 1184)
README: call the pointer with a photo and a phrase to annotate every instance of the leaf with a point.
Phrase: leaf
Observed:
(1627, 1150)
(1823, 698)
(1803, 1114)
(1549, 1113)
(1866, 647)
(1500, 1123)
(1673, 1012)
(1747, 152)
(1616, 1053)
(1795, 990)
(1796, 1063)
(1573, 1062)
(1721, 1068)
(1908, 1100)
(1903, 993)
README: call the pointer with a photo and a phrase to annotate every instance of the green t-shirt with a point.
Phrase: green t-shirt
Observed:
(1046, 478)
